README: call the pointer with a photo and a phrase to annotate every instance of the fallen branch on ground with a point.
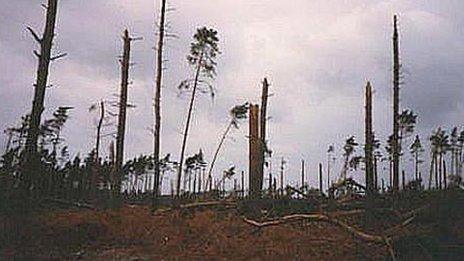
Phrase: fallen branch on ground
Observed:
(198, 205)
(71, 203)
(324, 218)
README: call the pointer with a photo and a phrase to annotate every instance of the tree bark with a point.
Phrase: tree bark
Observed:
(216, 153)
(320, 179)
(262, 129)
(254, 153)
(117, 175)
(187, 124)
(99, 126)
(40, 86)
(396, 97)
(369, 171)
(157, 102)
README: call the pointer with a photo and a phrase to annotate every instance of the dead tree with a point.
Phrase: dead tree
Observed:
(99, 127)
(262, 129)
(125, 63)
(40, 86)
(369, 140)
(157, 106)
(282, 168)
(243, 183)
(254, 152)
(396, 101)
(320, 179)
(302, 174)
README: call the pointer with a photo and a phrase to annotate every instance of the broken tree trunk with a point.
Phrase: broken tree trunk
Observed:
(254, 152)
(262, 129)
(369, 140)
(44, 57)
(117, 173)
(302, 174)
(320, 179)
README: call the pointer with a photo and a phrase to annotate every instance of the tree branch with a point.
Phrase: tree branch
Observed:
(34, 34)
(59, 56)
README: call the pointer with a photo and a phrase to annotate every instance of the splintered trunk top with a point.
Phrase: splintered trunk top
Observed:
(122, 109)
(254, 154)
(369, 141)
(262, 129)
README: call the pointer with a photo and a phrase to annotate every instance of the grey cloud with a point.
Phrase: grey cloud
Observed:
(317, 55)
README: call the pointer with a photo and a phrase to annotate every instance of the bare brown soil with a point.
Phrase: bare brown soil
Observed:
(217, 233)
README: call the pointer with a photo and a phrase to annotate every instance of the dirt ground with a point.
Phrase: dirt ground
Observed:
(134, 233)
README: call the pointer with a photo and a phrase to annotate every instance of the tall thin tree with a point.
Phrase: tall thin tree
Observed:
(237, 113)
(157, 102)
(203, 52)
(416, 150)
(125, 63)
(262, 129)
(396, 101)
(369, 140)
(40, 86)
(254, 152)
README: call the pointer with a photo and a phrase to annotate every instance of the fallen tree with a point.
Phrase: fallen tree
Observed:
(198, 205)
(324, 218)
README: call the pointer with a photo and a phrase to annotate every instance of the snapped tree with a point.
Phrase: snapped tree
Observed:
(45, 57)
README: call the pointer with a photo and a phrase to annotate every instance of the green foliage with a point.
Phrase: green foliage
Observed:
(239, 112)
(407, 122)
(203, 52)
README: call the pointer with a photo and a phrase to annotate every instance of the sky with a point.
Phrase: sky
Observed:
(317, 55)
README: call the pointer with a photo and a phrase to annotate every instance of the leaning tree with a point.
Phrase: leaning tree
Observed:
(203, 52)
(237, 113)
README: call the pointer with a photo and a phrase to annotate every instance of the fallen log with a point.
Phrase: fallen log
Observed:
(324, 218)
(71, 203)
(198, 205)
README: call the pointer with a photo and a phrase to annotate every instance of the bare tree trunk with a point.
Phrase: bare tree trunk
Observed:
(262, 129)
(320, 179)
(440, 169)
(445, 181)
(96, 163)
(187, 124)
(159, 75)
(282, 176)
(99, 126)
(436, 170)
(369, 140)
(376, 175)
(396, 98)
(302, 174)
(122, 116)
(403, 180)
(40, 86)
(431, 171)
(328, 172)
(390, 170)
(254, 153)
(416, 164)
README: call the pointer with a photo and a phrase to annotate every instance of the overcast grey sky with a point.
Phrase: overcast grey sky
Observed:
(317, 55)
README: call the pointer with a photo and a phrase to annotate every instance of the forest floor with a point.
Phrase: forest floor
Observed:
(433, 231)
